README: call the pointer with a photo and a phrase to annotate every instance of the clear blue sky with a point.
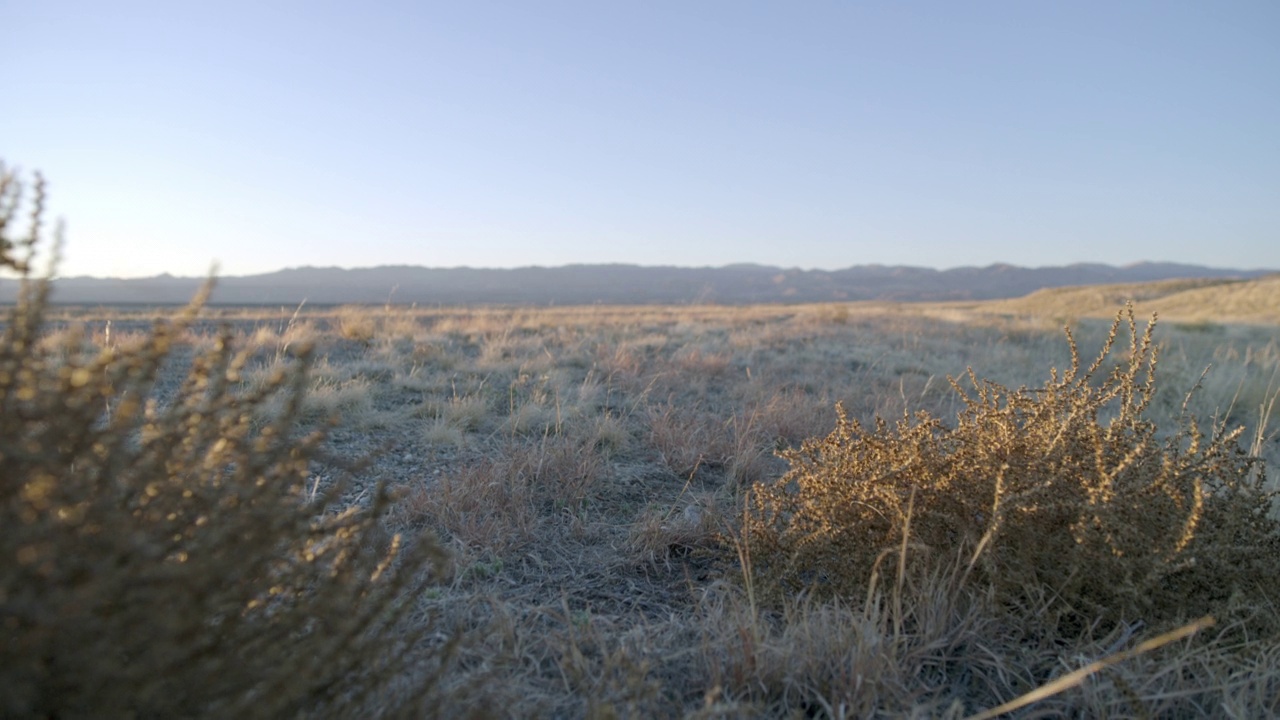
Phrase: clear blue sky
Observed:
(275, 134)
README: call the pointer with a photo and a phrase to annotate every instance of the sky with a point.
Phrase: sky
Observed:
(263, 135)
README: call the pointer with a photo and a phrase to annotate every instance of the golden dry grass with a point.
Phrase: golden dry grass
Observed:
(1206, 301)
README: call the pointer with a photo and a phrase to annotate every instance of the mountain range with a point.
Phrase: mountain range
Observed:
(615, 284)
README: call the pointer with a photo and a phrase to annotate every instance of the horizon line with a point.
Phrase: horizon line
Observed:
(728, 266)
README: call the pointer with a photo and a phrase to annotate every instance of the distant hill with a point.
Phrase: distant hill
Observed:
(1206, 299)
(617, 284)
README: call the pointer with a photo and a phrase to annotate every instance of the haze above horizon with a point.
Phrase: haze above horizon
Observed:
(265, 136)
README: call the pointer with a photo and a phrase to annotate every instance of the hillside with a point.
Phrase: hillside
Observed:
(617, 284)
(1197, 300)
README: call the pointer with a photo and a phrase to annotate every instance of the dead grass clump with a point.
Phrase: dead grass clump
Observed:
(487, 506)
(356, 323)
(687, 438)
(499, 504)
(1066, 492)
(837, 660)
(789, 417)
(609, 433)
(696, 362)
(665, 532)
(168, 562)
(931, 648)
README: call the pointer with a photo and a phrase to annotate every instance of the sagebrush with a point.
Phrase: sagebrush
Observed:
(164, 557)
(1064, 501)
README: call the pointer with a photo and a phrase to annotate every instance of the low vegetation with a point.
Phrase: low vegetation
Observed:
(699, 511)
(1064, 502)
(169, 558)
(1207, 302)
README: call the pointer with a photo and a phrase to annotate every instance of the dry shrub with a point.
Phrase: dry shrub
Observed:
(1063, 500)
(168, 561)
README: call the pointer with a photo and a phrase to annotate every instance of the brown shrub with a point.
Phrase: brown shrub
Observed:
(1065, 492)
(167, 560)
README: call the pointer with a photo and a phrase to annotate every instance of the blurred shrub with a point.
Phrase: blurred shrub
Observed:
(167, 560)
(1063, 501)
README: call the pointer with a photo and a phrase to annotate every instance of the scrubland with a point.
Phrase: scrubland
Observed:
(637, 512)
(587, 469)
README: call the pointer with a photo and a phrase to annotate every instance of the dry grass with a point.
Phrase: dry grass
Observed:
(588, 468)
(1198, 301)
